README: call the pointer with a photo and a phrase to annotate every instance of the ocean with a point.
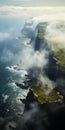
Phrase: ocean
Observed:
(10, 47)
(22, 47)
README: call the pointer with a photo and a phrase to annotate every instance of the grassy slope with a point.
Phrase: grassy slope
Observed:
(59, 55)
(53, 96)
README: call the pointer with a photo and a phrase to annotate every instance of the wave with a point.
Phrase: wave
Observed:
(15, 70)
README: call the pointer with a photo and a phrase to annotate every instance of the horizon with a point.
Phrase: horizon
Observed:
(33, 3)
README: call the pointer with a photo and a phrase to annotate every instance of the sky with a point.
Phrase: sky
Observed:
(33, 2)
(15, 13)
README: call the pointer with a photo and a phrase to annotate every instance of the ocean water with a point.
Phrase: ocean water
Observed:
(17, 55)
(9, 92)
(11, 107)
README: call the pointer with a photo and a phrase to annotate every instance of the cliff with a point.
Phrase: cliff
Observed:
(45, 111)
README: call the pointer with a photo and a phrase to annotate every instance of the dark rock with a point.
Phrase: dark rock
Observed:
(21, 85)
(29, 99)
(49, 116)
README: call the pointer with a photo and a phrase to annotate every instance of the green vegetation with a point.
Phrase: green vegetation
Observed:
(44, 92)
(53, 96)
(60, 57)
(41, 30)
(41, 35)
(43, 25)
(58, 53)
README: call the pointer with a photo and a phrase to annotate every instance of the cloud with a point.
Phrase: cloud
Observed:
(19, 11)
(31, 58)
(7, 55)
(44, 80)
(35, 114)
(55, 34)
(4, 36)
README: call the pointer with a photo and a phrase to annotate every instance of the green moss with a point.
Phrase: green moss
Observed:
(41, 35)
(42, 98)
(44, 93)
(60, 57)
(41, 30)
(43, 25)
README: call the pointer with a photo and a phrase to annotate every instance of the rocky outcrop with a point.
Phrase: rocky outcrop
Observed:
(47, 116)
(50, 114)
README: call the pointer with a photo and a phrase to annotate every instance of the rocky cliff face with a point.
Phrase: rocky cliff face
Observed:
(46, 116)
(45, 111)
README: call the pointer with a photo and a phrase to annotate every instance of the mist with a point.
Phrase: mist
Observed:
(55, 34)
(32, 58)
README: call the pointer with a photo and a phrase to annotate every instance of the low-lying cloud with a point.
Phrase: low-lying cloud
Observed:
(55, 34)
(7, 55)
(31, 58)
(18, 11)
(4, 36)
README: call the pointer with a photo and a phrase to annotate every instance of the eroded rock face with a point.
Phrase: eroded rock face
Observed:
(55, 66)
(47, 116)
